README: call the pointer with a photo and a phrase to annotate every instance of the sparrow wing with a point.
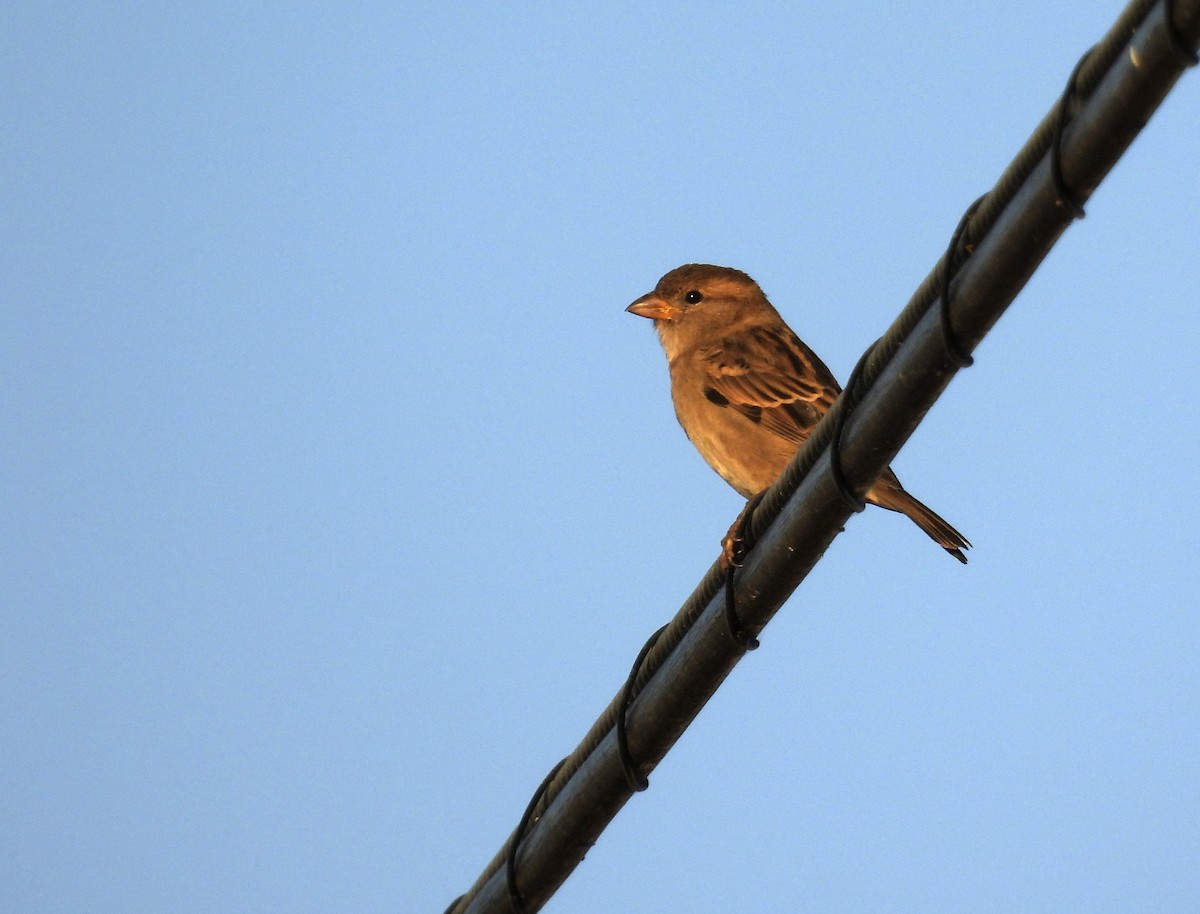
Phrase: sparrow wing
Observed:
(768, 375)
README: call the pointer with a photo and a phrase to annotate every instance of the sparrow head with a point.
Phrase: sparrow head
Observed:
(698, 302)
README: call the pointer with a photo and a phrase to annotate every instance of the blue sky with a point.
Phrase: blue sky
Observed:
(340, 492)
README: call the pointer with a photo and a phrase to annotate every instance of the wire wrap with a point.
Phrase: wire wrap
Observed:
(952, 261)
(515, 900)
(633, 777)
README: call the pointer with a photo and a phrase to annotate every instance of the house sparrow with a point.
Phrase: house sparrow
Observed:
(747, 391)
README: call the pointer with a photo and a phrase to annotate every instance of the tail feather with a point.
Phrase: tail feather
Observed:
(897, 499)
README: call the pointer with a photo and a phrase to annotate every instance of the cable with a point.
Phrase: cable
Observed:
(1012, 230)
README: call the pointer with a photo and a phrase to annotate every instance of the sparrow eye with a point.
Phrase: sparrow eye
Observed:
(694, 296)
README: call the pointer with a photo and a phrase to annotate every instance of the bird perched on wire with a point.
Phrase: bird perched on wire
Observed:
(748, 391)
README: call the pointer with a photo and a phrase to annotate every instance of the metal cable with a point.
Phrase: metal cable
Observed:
(1180, 36)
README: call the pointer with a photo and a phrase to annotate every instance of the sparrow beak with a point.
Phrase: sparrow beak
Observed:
(657, 309)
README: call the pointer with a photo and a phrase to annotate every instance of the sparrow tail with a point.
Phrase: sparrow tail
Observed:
(935, 527)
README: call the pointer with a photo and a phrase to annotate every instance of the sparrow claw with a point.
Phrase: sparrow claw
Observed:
(732, 551)
(736, 543)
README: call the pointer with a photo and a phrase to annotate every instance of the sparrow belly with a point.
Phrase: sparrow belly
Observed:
(746, 456)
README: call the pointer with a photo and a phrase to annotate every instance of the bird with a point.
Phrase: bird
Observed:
(748, 391)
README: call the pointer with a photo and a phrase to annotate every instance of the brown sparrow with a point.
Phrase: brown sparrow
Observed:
(747, 391)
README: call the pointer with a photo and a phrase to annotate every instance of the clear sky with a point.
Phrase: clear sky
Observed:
(339, 491)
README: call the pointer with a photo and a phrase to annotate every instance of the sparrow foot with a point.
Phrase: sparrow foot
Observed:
(736, 543)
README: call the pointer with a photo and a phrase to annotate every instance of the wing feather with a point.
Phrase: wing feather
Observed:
(772, 378)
